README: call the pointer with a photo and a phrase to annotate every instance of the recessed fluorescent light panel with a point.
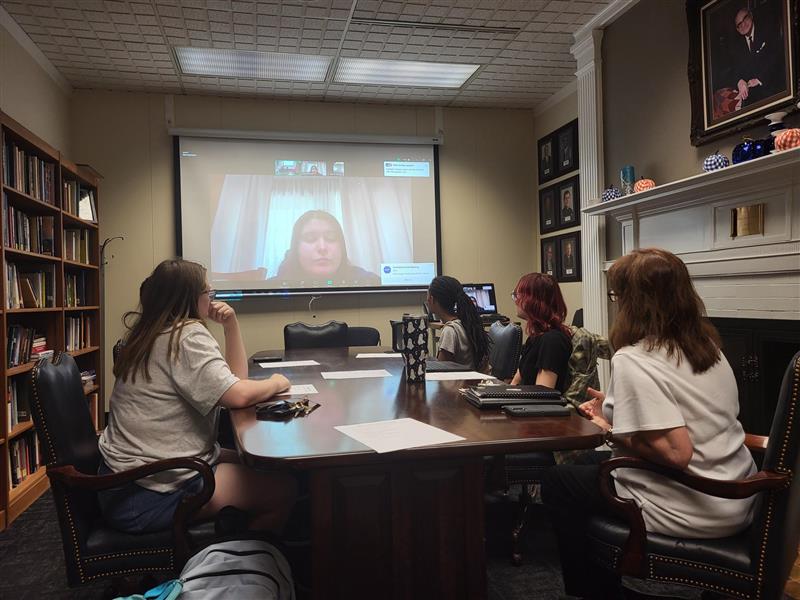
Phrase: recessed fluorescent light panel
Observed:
(403, 72)
(252, 65)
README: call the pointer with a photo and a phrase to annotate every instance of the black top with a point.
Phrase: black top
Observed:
(549, 351)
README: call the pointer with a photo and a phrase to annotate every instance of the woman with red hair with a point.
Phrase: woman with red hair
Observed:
(546, 353)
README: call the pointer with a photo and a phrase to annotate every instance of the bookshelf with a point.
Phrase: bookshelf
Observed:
(50, 291)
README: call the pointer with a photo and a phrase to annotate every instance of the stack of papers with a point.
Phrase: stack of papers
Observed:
(397, 434)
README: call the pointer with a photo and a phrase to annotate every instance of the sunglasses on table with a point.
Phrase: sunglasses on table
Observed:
(286, 409)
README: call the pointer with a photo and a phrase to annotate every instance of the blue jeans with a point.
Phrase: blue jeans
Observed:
(134, 509)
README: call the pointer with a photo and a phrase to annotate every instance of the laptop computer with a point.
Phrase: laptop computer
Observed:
(482, 294)
(496, 396)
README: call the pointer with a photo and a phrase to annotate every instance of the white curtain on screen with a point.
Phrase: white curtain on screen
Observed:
(256, 213)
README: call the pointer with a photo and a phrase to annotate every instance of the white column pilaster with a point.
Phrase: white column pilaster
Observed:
(587, 52)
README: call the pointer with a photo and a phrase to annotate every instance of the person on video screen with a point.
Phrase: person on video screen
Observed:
(318, 252)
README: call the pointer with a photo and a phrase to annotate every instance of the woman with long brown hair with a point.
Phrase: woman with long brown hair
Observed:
(171, 380)
(545, 355)
(672, 400)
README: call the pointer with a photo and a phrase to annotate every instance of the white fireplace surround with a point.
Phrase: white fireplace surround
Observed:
(754, 276)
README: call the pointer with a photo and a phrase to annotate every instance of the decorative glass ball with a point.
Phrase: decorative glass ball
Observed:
(743, 151)
(611, 193)
(715, 161)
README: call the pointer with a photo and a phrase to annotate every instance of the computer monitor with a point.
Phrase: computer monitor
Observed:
(482, 294)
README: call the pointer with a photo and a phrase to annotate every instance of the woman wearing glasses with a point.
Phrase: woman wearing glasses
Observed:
(672, 400)
(546, 353)
(171, 379)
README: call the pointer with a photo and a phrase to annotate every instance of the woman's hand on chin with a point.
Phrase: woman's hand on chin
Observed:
(222, 313)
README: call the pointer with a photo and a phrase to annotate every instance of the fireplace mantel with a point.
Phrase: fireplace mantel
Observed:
(753, 276)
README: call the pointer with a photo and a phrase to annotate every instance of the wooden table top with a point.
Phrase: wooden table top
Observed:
(312, 441)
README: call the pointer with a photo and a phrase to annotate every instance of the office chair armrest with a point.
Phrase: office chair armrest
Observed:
(69, 476)
(633, 558)
(756, 443)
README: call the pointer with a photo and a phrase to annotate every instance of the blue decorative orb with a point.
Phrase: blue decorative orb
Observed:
(610, 193)
(743, 151)
(760, 148)
(715, 161)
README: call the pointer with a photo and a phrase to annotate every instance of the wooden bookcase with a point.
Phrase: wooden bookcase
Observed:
(50, 289)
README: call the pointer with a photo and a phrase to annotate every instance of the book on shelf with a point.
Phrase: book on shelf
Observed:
(18, 403)
(86, 207)
(76, 245)
(25, 457)
(78, 332)
(75, 290)
(28, 173)
(20, 344)
(30, 233)
(42, 283)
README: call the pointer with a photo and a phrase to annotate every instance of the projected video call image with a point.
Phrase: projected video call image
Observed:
(314, 224)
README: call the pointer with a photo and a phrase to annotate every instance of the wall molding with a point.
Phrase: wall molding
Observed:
(16, 32)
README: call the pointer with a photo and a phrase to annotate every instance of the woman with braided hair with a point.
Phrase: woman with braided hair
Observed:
(463, 339)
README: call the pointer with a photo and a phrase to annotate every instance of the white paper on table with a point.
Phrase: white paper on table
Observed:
(379, 355)
(397, 434)
(296, 390)
(453, 375)
(355, 374)
(287, 363)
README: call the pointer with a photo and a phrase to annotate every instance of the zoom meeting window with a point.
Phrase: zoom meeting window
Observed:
(292, 216)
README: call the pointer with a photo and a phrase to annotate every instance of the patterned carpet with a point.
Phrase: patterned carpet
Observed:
(33, 565)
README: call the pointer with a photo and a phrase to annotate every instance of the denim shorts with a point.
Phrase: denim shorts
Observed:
(135, 509)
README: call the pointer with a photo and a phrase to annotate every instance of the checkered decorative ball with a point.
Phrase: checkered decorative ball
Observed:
(715, 161)
(611, 193)
(787, 139)
(643, 185)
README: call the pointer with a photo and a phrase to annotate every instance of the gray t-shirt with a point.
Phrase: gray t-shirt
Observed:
(172, 415)
(454, 340)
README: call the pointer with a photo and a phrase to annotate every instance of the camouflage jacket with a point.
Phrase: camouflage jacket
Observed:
(587, 347)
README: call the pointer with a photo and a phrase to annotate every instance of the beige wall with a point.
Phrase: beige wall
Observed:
(30, 96)
(546, 122)
(646, 104)
(486, 176)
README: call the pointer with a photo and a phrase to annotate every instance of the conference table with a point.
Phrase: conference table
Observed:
(404, 524)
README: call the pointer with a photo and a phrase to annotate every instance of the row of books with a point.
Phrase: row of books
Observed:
(79, 201)
(28, 173)
(31, 288)
(31, 233)
(23, 345)
(75, 290)
(25, 457)
(76, 245)
(78, 332)
(17, 401)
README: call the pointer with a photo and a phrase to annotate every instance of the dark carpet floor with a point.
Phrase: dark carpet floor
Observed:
(32, 561)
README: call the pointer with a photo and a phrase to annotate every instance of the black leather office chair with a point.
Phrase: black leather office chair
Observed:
(752, 564)
(577, 318)
(332, 334)
(92, 550)
(505, 346)
(363, 336)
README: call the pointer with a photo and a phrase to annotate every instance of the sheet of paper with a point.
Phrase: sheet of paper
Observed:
(287, 363)
(379, 355)
(397, 434)
(452, 375)
(355, 374)
(297, 390)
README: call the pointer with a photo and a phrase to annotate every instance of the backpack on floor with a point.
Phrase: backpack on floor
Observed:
(240, 569)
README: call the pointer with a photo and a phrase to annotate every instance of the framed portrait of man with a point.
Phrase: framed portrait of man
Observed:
(569, 208)
(569, 257)
(549, 255)
(567, 145)
(547, 210)
(547, 166)
(743, 63)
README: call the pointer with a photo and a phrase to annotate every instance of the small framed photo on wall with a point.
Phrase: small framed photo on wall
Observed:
(569, 206)
(567, 144)
(549, 257)
(569, 257)
(547, 165)
(547, 210)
